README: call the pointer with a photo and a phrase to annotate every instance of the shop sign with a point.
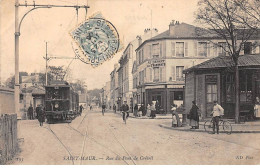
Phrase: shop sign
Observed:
(156, 63)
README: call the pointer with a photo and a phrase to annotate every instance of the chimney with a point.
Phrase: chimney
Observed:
(139, 40)
(171, 28)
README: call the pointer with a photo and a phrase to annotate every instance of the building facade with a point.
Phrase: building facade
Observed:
(114, 86)
(161, 60)
(214, 80)
(127, 92)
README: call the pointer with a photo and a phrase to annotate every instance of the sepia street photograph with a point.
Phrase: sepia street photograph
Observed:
(129, 82)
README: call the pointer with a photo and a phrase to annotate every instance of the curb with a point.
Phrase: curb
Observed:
(146, 118)
(199, 130)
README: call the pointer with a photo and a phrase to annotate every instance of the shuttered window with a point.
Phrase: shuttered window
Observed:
(195, 49)
(173, 73)
(186, 49)
(173, 49)
(179, 49)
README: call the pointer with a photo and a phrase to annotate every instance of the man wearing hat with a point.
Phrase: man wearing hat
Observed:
(125, 109)
(217, 112)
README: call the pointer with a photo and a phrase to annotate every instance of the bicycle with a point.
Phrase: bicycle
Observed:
(124, 116)
(225, 125)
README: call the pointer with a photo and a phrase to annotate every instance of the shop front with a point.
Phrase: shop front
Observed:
(214, 81)
(165, 96)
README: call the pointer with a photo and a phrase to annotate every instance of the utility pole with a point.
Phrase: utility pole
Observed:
(17, 35)
(47, 59)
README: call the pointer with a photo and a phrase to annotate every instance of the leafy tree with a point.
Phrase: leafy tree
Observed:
(233, 21)
(10, 82)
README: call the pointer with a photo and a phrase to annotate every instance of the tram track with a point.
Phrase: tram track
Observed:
(59, 140)
(86, 136)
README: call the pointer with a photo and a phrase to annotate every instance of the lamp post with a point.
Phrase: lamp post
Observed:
(17, 35)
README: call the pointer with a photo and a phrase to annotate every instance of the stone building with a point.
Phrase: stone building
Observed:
(160, 62)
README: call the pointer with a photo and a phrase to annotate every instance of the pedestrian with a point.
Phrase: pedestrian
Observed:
(30, 112)
(103, 108)
(135, 110)
(81, 108)
(114, 108)
(140, 110)
(41, 115)
(125, 109)
(194, 116)
(148, 114)
(90, 108)
(153, 110)
(257, 108)
(37, 111)
(174, 119)
(217, 112)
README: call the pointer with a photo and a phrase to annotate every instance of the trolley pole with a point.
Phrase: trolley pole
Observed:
(46, 73)
(17, 35)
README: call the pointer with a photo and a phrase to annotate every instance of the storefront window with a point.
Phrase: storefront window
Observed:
(245, 86)
(230, 88)
(211, 93)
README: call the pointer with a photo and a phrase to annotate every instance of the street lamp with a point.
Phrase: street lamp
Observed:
(17, 35)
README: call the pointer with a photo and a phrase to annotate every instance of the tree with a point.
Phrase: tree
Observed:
(10, 82)
(57, 72)
(79, 86)
(234, 22)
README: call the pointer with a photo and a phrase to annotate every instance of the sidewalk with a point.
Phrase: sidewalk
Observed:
(158, 116)
(247, 127)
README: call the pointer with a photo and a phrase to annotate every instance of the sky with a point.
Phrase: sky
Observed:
(130, 17)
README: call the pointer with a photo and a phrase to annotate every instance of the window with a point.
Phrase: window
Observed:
(245, 85)
(150, 51)
(230, 88)
(222, 49)
(151, 74)
(173, 48)
(156, 50)
(211, 88)
(211, 93)
(248, 48)
(156, 74)
(179, 73)
(202, 49)
(180, 49)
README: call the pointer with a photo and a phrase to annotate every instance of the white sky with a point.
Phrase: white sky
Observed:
(130, 17)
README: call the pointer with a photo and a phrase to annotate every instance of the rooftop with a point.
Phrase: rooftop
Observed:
(226, 61)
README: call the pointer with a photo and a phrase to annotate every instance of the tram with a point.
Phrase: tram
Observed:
(61, 102)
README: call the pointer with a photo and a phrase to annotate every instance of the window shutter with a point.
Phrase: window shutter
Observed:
(215, 50)
(173, 73)
(208, 48)
(160, 50)
(151, 75)
(160, 74)
(186, 49)
(173, 48)
(195, 48)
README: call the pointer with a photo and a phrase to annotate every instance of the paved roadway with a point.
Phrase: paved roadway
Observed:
(95, 139)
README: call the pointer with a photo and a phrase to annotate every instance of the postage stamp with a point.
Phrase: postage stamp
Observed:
(98, 40)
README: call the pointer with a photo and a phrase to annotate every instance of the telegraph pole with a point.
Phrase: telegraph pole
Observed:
(17, 35)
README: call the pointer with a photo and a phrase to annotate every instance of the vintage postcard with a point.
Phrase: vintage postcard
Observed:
(120, 82)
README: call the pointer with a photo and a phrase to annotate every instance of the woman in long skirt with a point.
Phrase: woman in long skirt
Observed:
(194, 116)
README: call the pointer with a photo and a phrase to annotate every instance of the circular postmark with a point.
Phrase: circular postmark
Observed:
(98, 39)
